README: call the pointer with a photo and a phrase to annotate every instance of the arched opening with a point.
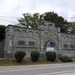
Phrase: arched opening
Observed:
(50, 46)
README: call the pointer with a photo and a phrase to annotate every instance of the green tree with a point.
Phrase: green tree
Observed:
(71, 27)
(58, 20)
(30, 20)
(2, 32)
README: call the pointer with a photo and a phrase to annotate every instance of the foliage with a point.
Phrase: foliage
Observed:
(35, 55)
(2, 32)
(30, 20)
(58, 20)
(50, 55)
(19, 55)
(33, 20)
(65, 58)
(71, 27)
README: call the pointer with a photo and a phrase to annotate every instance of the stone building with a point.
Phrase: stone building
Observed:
(45, 38)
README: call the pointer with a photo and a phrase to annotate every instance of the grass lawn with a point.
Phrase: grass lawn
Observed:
(26, 61)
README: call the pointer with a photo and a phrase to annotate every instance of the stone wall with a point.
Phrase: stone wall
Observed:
(21, 38)
(28, 39)
(67, 44)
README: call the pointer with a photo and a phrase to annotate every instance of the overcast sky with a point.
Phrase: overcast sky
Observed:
(11, 10)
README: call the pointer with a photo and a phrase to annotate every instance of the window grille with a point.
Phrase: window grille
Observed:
(72, 46)
(21, 42)
(65, 45)
(31, 43)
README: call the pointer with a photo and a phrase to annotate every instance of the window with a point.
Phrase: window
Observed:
(50, 27)
(72, 46)
(21, 42)
(50, 46)
(10, 42)
(65, 45)
(31, 43)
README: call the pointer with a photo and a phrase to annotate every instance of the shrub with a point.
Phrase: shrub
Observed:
(65, 59)
(34, 55)
(50, 55)
(19, 55)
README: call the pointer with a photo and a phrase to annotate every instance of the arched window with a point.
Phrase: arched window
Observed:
(50, 46)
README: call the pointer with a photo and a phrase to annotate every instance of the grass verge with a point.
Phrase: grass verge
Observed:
(26, 61)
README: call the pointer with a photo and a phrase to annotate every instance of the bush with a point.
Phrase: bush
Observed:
(34, 55)
(19, 55)
(50, 55)
(65, 59)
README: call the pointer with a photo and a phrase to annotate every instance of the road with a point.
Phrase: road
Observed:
(45, 69)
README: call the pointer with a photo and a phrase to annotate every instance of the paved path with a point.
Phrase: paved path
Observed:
(71, 72)
(46, 69)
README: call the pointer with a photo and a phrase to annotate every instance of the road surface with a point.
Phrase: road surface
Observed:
(45, 69)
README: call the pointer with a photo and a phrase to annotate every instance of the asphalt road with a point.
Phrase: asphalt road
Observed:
(44, 69)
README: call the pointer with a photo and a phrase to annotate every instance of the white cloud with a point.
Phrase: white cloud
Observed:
(12, 9)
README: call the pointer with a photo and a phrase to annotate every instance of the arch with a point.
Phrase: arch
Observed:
(49, 45)
(67, 37)
(24, 32)
(46, 34)
(36, 34)
(30, 33)
(63, 37)
(17, 31)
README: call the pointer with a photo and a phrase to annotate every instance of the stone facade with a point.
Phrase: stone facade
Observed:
(27, 39)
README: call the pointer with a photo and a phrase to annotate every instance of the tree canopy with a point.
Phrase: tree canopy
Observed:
(71, 27)
(33, 20)
(2, 32)
(30, 20)
(58, 20)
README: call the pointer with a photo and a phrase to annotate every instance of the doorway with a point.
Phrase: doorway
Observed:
(50, 46)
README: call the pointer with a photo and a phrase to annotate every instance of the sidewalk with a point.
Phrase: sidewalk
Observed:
(67, 74)
(63, 73)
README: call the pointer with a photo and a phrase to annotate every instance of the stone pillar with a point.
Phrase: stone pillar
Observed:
(42, 43)
(58, 41)
(9, 42)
